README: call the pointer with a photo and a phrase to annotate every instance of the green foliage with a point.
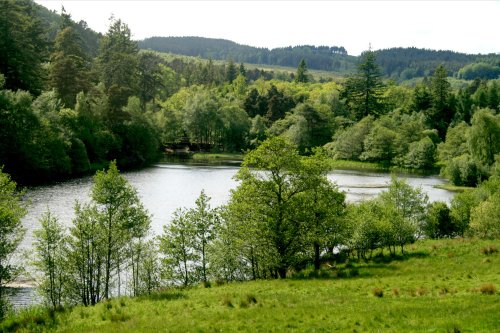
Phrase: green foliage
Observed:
(349, 143)
(12, 210)
(363, 92)
(439, 223)
(410, 203)
(121, 218)
(440, 114)
(484, 136)
(301, 76)
(479, 70)
(186, 243)
(177, 249)
(421, 155)
(485, 218)
(379, 145)
(23, 46)
(69, 68)
(118, 66)
(465, 203)
(306, 126)
(51, 248)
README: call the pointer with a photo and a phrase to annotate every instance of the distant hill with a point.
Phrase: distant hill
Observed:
(317, 57)
(407, 63)
(397, 63)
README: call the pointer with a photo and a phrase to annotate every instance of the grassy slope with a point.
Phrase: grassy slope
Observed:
(434, 288)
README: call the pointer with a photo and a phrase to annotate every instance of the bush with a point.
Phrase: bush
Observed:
(485, 218)
(439, 223)
(463, 171)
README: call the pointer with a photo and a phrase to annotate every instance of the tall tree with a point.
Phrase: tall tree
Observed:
(301, 75)
(12, 210)
(118, 66)
(51, 251)
(23, 46)
(70, 66)
(204, 220)
(270, 201)
(363, 92)
(151, 79)
(177, 249)
(440, 114)
(323, 207)
(231, 71)
(121, 219)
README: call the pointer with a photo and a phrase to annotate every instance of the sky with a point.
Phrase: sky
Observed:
(462, 26)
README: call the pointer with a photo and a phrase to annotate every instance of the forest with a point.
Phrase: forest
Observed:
(69, 109)
(66, 112)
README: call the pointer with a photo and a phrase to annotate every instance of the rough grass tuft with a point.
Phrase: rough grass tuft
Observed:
(378, 292)
(489, 250)
(488, 289)
(251, 299)
(421, 291)
(227, 301)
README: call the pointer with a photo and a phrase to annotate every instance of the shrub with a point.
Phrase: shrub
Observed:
(439, 222)
(485, 218)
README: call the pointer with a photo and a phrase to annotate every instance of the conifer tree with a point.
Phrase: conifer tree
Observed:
(363, 92)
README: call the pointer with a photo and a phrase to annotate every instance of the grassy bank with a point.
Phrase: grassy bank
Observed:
(217, 156)
(437, 286)
(357, 165)
(454, 188)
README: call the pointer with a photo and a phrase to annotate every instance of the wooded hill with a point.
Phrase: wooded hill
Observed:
(397, 63)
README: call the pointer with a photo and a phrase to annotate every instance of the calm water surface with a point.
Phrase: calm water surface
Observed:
(167, 186)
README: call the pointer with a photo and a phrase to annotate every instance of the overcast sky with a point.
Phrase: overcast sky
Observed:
(463, 26)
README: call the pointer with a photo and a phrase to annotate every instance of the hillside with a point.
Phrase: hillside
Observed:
(320, 58)
(397, 63)
(438, 286)
(51, 22)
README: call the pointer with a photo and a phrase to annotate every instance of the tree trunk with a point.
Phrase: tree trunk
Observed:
(317, 261)
(282, 272)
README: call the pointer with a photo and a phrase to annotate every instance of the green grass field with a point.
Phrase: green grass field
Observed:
(438, 286)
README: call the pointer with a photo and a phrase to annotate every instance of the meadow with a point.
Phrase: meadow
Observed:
(437, 286)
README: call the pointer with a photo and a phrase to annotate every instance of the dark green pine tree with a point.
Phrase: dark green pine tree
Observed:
(70, 66)
(440, 114)
(231, 72)
(242, 70)
(23, 46)
(117, 63)
(301, 76)
(363, 91)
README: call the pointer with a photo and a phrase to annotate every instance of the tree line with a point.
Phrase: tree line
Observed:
(283, 217)
(65, 113)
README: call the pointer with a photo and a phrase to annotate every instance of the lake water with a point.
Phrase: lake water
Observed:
(165, 187)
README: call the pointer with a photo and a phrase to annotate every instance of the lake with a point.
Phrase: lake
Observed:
(167, 186)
